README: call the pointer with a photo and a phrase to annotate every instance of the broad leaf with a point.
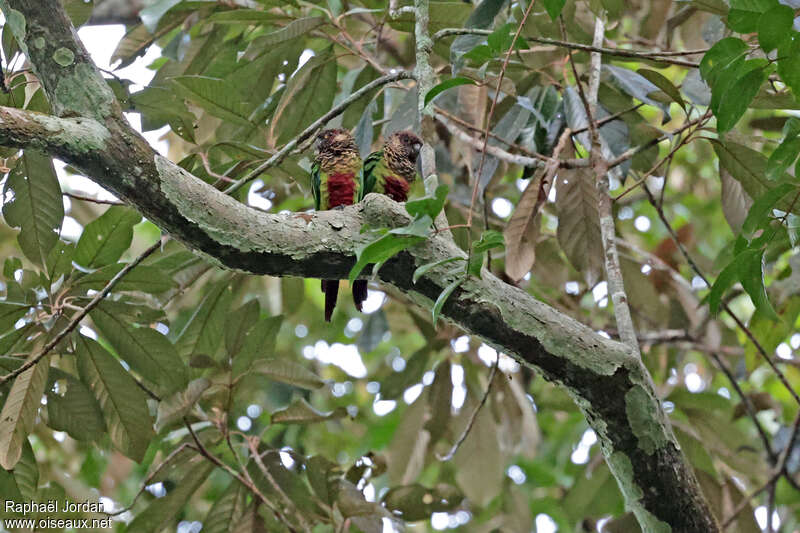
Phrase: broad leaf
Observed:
(175, 407)
(144, 349)
(579, 222)
(309, 94)
(19, 411)
(287, 371)
(162, 511)
(121, 400)
(105, 239)
(301, 412)
(33, 204)
(206, 328)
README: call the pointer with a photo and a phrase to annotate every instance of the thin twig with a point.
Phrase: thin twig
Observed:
(616, 285)
(660, 57)
(279, 156)
(449, 455)
(80, 316)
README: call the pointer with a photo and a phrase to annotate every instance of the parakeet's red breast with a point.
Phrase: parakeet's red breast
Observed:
(335, 183)
(391, 171)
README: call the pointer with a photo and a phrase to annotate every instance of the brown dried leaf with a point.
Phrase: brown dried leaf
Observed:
(522, 230)
(579, 222)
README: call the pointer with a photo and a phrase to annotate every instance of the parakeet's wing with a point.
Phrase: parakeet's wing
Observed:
(315, 183)
(368, 175)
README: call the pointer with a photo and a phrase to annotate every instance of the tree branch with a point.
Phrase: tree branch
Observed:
(609, 384)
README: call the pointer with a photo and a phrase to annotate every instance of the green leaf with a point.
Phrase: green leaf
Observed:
(357, 110)
(751, 274)
(745, 14)
(762, 207)
(238, 323)
(143, 278)
(378, 251)
(228, 510)
(78, 11)
(293, 30)
(218, 97)
(789, 62)
(428, 205)
(259, 343)
(782, 158)
(419, 227)
(396, 383)
(747, 268)
(151, 14)
(26, 472)
(489, 239)
(447, 84)
(663, 83)
(205, 329)
(159, 106)
(721, 56)
(59, 260)
(737, 99)
(10, 313)
(442, 299)
(147, 351)
(416, 502)
(123, 403)
(748, 167)
(309, 95)
(19, 411)
(424, 269)
(287, 371)
(554, 7)
(301, 412)
(72, 407)
(34, 204)
(105, 239)
(175, 407)
(163, 511)
(774, 26)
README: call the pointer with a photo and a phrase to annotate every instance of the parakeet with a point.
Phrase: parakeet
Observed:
(391, 171)
(335, 183)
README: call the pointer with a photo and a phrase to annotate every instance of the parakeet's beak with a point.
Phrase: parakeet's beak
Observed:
(416, 147)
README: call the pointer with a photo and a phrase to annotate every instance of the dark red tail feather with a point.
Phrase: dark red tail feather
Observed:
(359, 292)
(331, 289)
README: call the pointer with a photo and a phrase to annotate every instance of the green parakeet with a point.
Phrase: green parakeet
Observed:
(335, 184)
(391, 171)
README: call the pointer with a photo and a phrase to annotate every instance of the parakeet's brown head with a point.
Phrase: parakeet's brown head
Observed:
(335, 141)
(405, 144)
(402, 149)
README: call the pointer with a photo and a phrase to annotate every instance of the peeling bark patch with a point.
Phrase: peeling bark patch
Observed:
(642, 416)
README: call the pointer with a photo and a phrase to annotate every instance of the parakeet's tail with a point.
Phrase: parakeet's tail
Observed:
(331, 289)
(359, 292)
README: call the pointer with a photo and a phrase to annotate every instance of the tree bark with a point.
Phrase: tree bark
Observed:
(607, 381)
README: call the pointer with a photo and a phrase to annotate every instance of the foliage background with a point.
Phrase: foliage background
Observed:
(391, 393)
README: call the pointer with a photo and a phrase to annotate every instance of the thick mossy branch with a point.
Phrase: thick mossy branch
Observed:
(610, 385)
